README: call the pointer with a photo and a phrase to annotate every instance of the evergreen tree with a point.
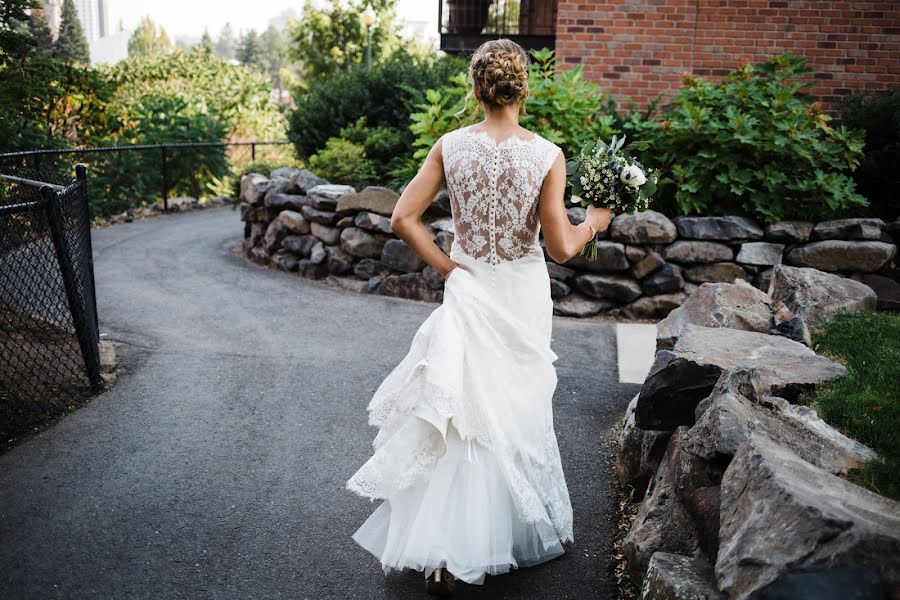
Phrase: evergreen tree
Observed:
(206, 41)
(40, 30)
(226, 43)
(146, 41)
(71, 45)
(248, 50)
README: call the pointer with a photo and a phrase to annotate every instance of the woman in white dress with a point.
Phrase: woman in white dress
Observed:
(466, 459)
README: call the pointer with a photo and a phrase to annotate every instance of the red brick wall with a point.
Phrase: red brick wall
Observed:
(638, 49)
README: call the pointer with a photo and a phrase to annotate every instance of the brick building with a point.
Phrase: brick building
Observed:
(639, 49)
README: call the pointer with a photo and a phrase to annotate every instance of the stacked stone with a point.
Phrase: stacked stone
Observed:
(646, 265)
(298, 222)
(742, 489)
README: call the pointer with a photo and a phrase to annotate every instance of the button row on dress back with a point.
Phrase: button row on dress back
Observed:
(493, 208)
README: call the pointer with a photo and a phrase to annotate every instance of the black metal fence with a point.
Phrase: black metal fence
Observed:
(466, 24)
(49, 335)
(162, 168)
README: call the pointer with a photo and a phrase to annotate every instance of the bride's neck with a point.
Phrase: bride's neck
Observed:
(501, 117)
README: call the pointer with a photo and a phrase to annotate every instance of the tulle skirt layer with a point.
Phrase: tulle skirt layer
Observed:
(466, 459)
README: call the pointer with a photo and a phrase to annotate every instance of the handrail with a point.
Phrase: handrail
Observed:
(83, 150)
(32, 182)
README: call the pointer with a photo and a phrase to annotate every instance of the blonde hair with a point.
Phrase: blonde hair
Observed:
(499, 70)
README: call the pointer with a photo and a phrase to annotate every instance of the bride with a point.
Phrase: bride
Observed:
(466, 459)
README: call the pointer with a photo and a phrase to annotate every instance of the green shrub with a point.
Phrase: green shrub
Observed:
(561, 106)
(344, 162)
(384, 96)
(753, 144)
(878, 176)
(865, 403)
(385, 147)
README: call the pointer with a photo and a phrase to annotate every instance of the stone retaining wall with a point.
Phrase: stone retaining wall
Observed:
(647, 263)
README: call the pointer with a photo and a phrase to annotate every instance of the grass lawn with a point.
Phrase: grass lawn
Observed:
(865, 404)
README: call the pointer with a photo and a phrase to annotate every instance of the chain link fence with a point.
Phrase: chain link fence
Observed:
(49, 336)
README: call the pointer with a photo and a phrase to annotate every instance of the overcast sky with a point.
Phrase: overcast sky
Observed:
(189, 18)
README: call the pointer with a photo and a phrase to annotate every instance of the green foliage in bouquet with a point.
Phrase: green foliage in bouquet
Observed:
(754, 144)
(561, 106)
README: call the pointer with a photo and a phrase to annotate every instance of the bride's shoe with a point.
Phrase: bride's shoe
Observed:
(441, 582)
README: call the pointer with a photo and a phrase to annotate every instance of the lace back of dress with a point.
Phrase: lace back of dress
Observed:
(494, 189)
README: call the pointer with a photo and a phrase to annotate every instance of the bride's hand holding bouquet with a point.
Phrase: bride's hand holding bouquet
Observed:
(605, 176)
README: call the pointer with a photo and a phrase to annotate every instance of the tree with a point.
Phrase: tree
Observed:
(71, 45)
(146, 40)
(332, 39)
(40, 30)
(248, 50)
(226, 43)
(206, 41)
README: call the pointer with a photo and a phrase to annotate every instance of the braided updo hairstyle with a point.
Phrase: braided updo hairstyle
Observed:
(499, 70)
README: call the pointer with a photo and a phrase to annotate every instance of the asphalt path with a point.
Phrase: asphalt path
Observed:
(215, 467)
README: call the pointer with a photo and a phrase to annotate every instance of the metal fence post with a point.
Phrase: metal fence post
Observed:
(253, 151)
(86, 338)
(165, 180)
(81, 175)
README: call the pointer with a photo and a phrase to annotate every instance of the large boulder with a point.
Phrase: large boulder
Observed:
(667, 280)
(678, 577)
(662, 523)
(650, 263)
(739, 407)
(610, 257)
(638, 452)
(781, 514)
(734, 305)
(848, 229)
(375, 199)
(886, 290)
(648, 227)
(840, 255)
(655, 307)
(253, 188)
(726, 229)
(328, 234)
(789, 232)
(398, 255)
(578, 305)
(300, 245)
(608, 287)
(698, 252)
(814, 295)
(317, 215)
(327, 195)
(278, 201)
(361, 243)
(275, 233)
(680, 378)
(303, 181)
(294, 222)
(760, 253)
(409, 285)
(714, 273)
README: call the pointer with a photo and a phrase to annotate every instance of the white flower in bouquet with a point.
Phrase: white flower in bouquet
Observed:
(633, 176)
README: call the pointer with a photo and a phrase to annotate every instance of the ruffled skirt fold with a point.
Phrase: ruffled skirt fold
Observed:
(466, 459)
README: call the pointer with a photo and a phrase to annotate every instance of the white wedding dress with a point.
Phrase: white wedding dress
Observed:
(466, 458)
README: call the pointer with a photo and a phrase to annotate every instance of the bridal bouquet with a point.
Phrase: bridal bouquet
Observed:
(606, 176)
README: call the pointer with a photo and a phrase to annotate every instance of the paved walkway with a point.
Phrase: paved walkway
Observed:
(215, 467)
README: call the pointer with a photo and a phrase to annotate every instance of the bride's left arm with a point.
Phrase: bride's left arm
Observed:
(406, 220)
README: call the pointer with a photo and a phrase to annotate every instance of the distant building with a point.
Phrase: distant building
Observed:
(93, 15)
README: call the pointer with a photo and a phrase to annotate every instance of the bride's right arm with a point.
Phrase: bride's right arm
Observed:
(406, 219)
(562, 239)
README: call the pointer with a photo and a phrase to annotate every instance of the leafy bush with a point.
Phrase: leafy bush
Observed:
(384, 146)
(754, 144)
(384, 96)
(561, 106)
(878, 176)
(344, 162)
